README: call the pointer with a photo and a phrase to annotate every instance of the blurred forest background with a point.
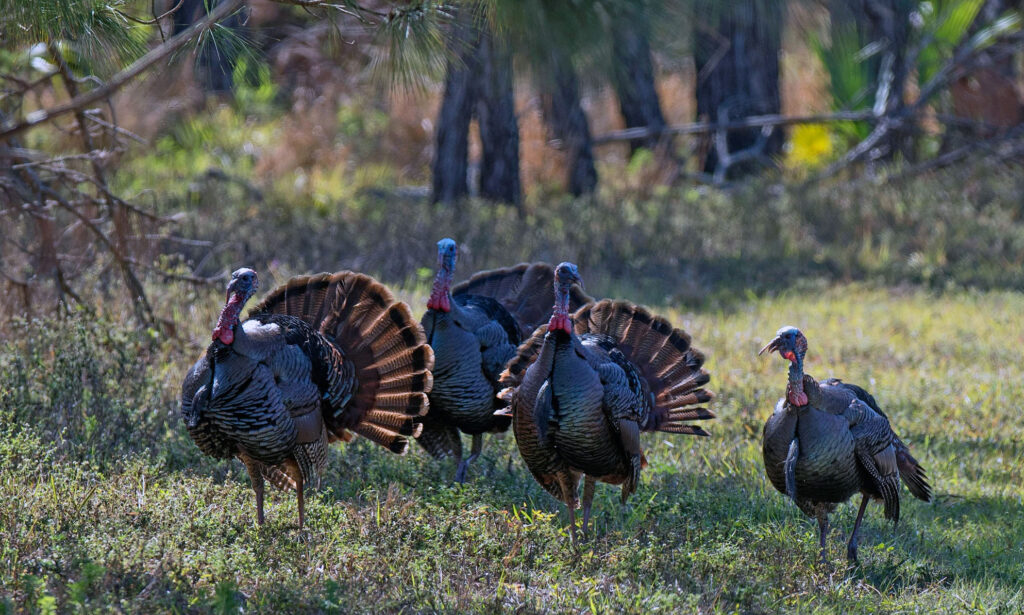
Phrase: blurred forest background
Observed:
(679, 150)
(849, 166)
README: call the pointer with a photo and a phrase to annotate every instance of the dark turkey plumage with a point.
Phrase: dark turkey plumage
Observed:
(583, 388)
(320, 357)
(474, 328)
(828, 440)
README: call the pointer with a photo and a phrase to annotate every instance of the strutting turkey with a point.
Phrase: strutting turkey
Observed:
(474, 328)
(828, 440)
(322, 356)
(585, 386)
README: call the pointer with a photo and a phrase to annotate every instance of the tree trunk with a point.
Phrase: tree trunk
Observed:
(633, 77)
(737, 59)
(890, 26)
(499, 128)
(451, 154)
(214, 68)
(568, 123)
(479, 81)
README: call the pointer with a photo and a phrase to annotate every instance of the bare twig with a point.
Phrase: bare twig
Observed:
(155, 20)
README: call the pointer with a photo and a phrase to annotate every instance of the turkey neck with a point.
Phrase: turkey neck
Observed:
(226, 323)
(441, 295)
(795, 385)
(560, 320)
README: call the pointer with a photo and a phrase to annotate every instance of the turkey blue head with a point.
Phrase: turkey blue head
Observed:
(241, 288)
(792, 346)
(566, 274)
(440, 295)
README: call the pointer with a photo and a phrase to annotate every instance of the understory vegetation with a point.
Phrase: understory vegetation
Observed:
(105, 504)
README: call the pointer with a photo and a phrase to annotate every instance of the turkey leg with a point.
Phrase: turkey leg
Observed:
(302, 503)
(256, 478)
(851, 549)
(823, 534)
(478, 445)
(572, 525)
(588, 498)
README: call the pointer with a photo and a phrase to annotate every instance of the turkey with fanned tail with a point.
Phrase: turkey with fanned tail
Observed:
(320, 358)
(583, 388)
(828, 440)
(474, 328)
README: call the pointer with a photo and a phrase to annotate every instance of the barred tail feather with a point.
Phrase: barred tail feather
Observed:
(516, 367)
(672, 368)
(913, 474)
(891, 498)
(394, 442)
(279, 478)
(525, 290)
(378, 336)
(401, 423)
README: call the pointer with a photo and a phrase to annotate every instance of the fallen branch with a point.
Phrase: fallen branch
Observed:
(754, 121)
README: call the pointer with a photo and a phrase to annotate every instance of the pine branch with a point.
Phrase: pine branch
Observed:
(155, 55)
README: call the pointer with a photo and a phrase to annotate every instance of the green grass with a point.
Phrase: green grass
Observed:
(106, 505)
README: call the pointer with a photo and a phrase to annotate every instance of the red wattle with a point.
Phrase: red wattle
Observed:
(560, 322)
(795, 397)
(789, 354)
(224, 331)
(224, 335)
(439, 301)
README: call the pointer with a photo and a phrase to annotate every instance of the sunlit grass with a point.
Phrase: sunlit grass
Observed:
(162, 528)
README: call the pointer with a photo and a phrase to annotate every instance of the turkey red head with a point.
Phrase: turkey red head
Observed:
(566, 274)
(440, 295)
(241, 288)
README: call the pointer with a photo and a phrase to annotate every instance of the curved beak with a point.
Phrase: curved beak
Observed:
(771, 346)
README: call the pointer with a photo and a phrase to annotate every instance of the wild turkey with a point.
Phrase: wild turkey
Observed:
(585, 386)
(828, 440)
(474, 329)
(320, 357)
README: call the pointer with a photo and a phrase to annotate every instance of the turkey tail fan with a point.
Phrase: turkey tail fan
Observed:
(663, 354)
(913, 474)
(516, 367)
(526, 290)
(375, 332)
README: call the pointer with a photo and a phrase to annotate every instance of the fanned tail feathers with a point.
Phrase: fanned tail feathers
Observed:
(515, 369)
(672, 367)
(392, 361)
(526, 290)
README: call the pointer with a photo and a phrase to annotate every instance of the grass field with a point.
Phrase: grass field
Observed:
(105, 505)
